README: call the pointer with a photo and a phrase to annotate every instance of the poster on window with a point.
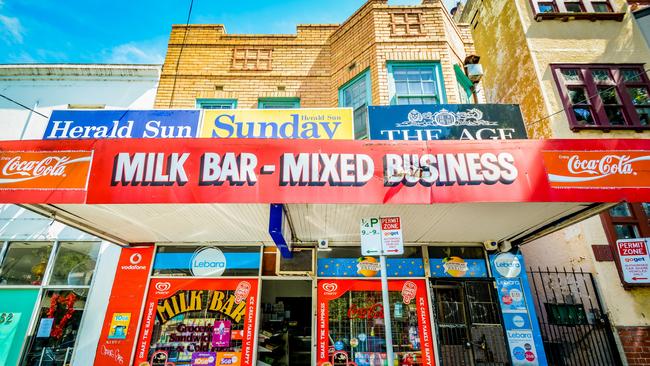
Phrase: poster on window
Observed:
(350, 325)
(191, 318)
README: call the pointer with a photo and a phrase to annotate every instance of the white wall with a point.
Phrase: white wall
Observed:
(47, 87)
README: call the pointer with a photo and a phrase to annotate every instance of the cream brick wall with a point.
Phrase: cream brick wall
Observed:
(312, 64)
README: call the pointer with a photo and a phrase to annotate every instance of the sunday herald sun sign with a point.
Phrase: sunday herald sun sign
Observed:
(363, 172)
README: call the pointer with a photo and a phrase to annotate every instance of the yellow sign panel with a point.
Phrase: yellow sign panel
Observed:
(324, 124)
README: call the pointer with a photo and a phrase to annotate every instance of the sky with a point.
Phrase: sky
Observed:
(136, 31)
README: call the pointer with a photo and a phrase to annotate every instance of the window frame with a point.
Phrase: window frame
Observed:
(268, 103)
(439, 83)
(201, 103)
(601, 123)
(640, 219)
(588, 12)
(365, 75)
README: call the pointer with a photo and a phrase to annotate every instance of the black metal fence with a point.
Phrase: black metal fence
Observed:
(574, 327)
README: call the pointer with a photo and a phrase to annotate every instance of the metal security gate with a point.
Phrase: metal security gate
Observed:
(574, 327)
(468, 322)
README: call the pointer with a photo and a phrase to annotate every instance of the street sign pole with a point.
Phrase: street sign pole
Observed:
(387, 323)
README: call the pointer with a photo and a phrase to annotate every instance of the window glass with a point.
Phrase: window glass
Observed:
(621, 210)
(415, 84)
(216, 103)
(355, 95)
(626, 231)
(583, 116)
(571, 74)
(74, 263)
(646, 208)
(578, 95)
(601, 7)
(279, 104)
(631, 75)
(640, 95)
(177, 260)
(25, 263)
(546, 7)
(644, 116)
(573, 7)
(53, 341)
(600, 75)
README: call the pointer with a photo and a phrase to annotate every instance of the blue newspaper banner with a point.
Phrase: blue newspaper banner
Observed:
(104, 124)
(234, 260)
(519, 315)
(446, 122)
(369, 267)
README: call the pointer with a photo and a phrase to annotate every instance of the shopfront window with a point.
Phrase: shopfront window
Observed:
(57, 326)
(355, 329)
(74, 263)
(348, 262)
(25, 263)
(188, 260)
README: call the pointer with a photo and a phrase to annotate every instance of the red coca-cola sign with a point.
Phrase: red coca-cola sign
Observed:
(373, 311)
(44, 170)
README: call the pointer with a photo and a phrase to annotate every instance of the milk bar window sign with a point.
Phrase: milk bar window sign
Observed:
(634, 260)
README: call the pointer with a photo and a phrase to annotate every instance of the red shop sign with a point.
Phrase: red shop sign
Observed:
(362, 172)
(330, 347)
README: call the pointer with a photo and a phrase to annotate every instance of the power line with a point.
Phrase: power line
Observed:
(22, 105)
(187, 23)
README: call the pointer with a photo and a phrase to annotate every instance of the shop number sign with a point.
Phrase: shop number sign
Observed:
(381, 236)
(634, 259)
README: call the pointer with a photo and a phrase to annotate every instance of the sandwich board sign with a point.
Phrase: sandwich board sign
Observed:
(381, 236)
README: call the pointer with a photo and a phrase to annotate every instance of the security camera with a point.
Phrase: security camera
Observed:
(505, 246)
(490, 245)
(323, 244)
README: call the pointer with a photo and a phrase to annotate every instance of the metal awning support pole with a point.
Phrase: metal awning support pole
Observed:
(387, 323)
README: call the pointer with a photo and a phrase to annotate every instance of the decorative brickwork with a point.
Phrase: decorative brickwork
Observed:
(313, 63)
(636, 344)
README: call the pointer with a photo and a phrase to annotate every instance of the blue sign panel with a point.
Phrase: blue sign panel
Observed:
(369, 267)
(234, 260)
(104, 124)
(520, 319)
(457, 267)
(446, 122)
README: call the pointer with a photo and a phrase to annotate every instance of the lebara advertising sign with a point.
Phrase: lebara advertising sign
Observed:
(446, 122)
(103, 124)
(307, 124)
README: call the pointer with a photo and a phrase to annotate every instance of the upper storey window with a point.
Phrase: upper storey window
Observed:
(604, 96)
(575, 9)
(256, 59)
(405, 24)
(415, 83)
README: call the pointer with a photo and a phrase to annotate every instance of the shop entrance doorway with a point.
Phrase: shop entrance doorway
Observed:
(468, 322)
(285, 323)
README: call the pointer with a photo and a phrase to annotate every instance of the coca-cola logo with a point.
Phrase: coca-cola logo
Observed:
(373, 311)
(20, 169)
(607, 165)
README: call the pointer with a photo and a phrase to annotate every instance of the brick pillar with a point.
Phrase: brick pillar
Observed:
(636, 344)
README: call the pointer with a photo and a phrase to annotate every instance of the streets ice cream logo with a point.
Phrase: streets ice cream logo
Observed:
(162, 287)
(368, 266)
(445, 118)
(330, 288)
(585, 170)
(455, 266)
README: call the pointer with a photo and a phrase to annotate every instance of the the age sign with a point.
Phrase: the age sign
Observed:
(634, 260)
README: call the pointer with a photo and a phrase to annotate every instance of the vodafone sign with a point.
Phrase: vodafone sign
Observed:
(298, 171)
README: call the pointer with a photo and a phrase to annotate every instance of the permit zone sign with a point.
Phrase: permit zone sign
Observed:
(634, 260)
(381, 236)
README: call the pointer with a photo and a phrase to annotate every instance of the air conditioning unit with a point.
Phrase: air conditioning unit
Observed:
(301, 263)
(474, 72)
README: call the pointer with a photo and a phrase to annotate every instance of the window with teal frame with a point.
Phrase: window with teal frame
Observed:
(278, 103)
(356, 94)
(415, 83)
(209, 103)
(465, 86)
